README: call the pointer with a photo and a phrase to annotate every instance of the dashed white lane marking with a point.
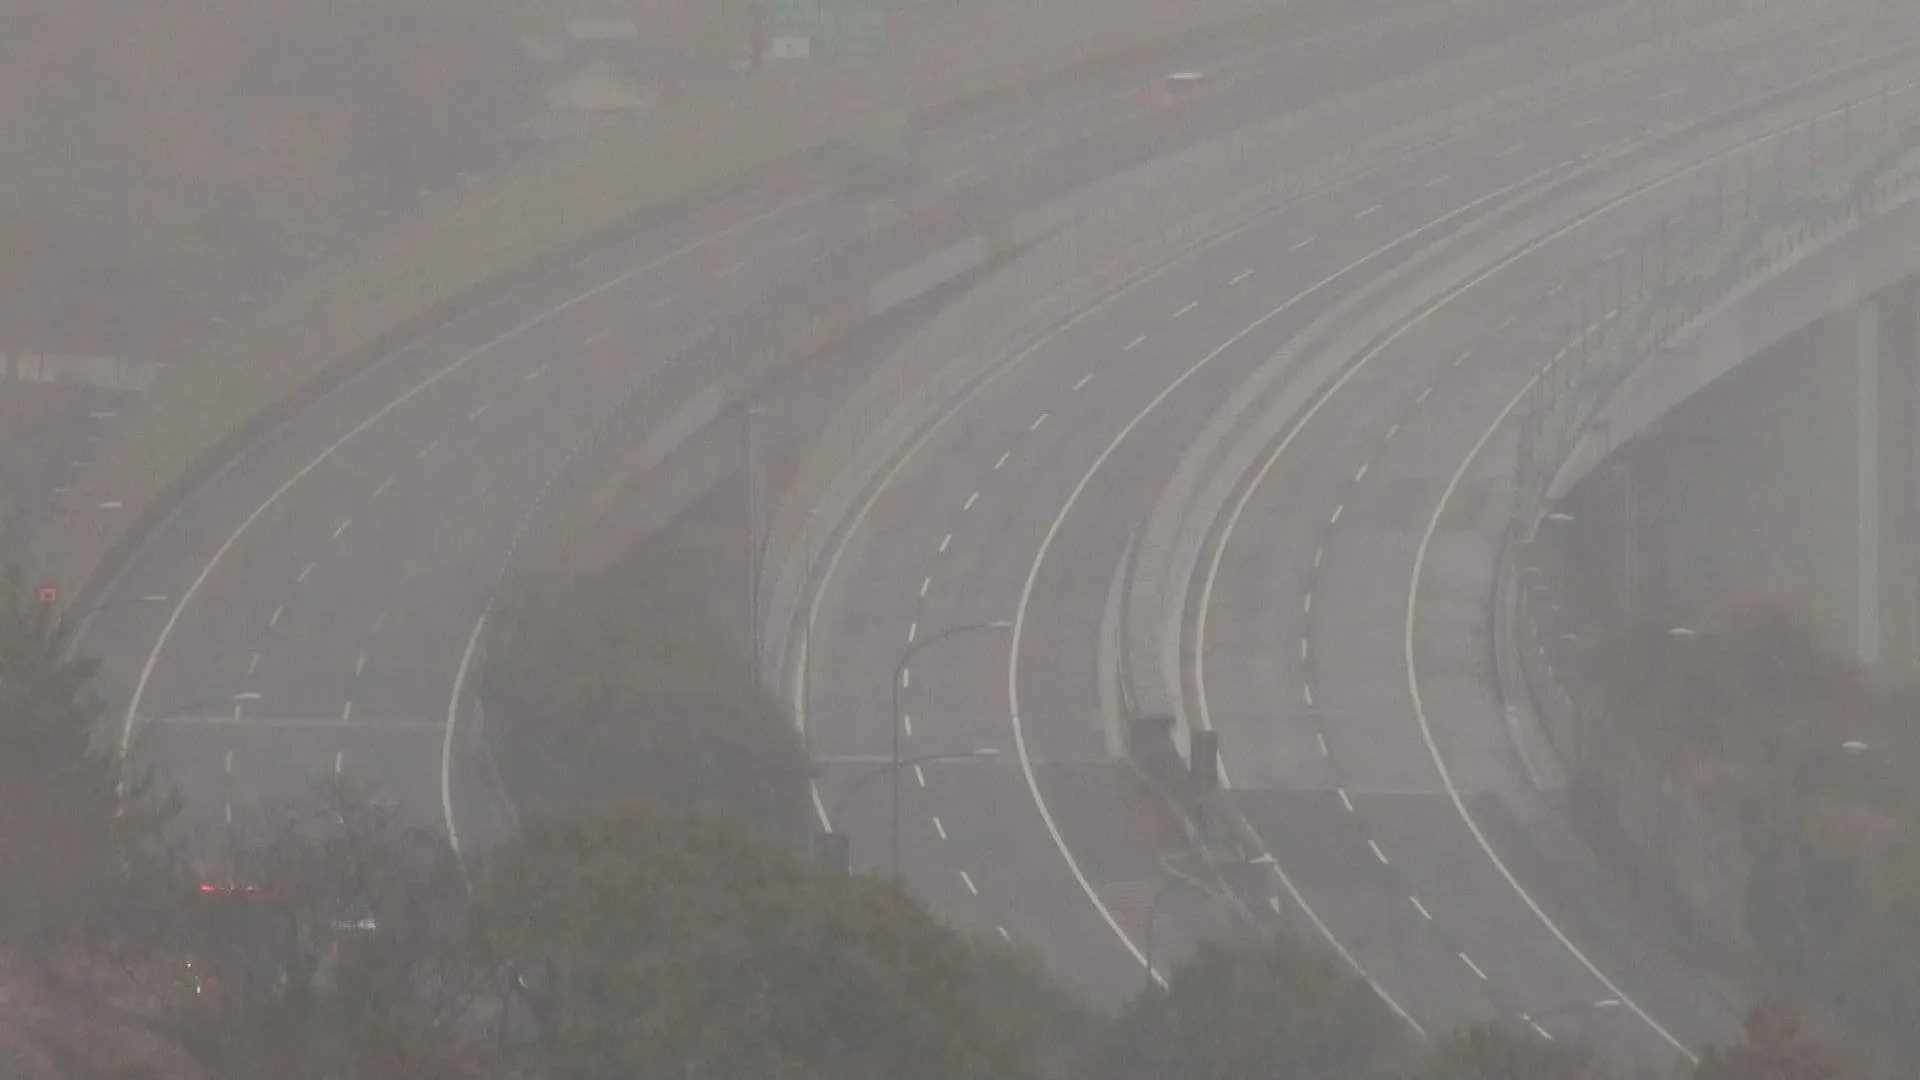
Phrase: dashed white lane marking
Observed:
(1037, 421)
(1555, 291)
(1421, 908)
(1318, 554)
(1306, 604)
(1306, 694)
(596, 338)
(1084, 380)
(253, 663)
(305, 573)
(1507, 322)
(920, 776)
(1240, 277)
(385, 486)
(427, 449)
(112, 504)
(1511, 150)
(277, 612)
(1344, 800)
(1367, 213)
(1422, 399)
(658, 302)
(480, 412)
(1544, 1033)
(1322, 740)
(971, 887)
(346, 712)
(359, 665)
(229, 763)
(801, 238)
(1438, 180)
(1134, 344)
(1377, 853)
(1303, 647)
(939, 828)
(913, 631)
(729, 270)
(1004, 936)
(1665, 94)
(925, 584)
(535, 373)
(945, 542)
(1189, 307)
(1337, 511)
(1567, 164)
(1301, 244)
(1588, 122)
(341, 529)
(906, 678)
(971, 499)
(906, 724)
(1468, 960)
(102, 415)
(1612, 314)
(1462, 358)
(339, 761)
(1361, 473)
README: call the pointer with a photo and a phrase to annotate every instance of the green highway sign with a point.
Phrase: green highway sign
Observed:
(801, 28)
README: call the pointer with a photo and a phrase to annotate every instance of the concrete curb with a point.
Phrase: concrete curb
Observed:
(1212, 469)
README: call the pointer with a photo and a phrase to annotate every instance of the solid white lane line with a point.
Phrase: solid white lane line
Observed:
(1240, 277)
(1412, 664)
(1476, 967)
(1084, 380)
(1037, 421)
(1367, 213)
(971, 887)
(480, 412)
(939, 828)
(274, 620)
(1183, 311)
(385, 486)
(305, 572)
(1134, 344)
(341, 529)
(1421, 908)
(535, 374)
(1377, 853)
(1301, 244)
(1344, 800)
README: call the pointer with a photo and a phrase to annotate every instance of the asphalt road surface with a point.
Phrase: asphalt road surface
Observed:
(1020, 509)
(327, 587)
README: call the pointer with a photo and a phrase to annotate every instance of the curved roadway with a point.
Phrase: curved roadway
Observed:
(1021, 506)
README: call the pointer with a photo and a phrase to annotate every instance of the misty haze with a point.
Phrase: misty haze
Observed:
(975, 539)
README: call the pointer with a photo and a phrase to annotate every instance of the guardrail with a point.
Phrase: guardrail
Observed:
(1792, 197)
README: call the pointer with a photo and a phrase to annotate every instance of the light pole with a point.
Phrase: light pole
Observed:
(1153, 908)
(899, 680)
(1535, 1019)
(985, 753)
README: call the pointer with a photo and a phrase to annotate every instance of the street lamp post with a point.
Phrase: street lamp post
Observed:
(899, 679)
